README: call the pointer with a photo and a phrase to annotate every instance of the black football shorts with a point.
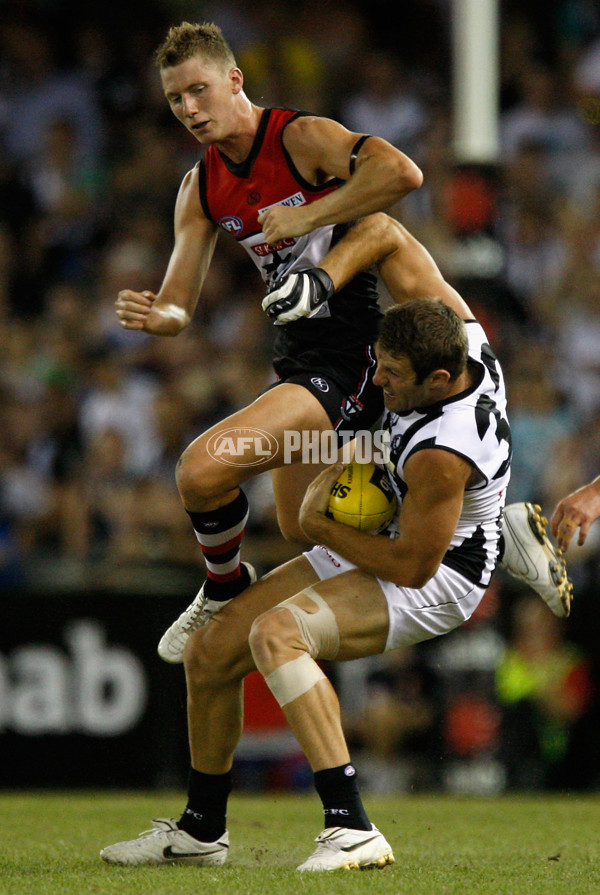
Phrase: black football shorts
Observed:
(352, 407)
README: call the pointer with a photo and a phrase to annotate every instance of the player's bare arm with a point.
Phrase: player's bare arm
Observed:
(321, 149)
(405, 265)
(410, 272)
(171, 310)
(429, 515)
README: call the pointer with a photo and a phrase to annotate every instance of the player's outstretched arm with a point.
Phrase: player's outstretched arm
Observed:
(409, 271)
(576, 511)
(172, 309)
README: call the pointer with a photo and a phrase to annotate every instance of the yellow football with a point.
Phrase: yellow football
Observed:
(362, 497)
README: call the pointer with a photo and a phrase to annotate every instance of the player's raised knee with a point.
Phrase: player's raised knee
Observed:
(200, 478)
(269, 635)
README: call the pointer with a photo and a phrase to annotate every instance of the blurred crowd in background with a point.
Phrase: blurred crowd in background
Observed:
(93, 418)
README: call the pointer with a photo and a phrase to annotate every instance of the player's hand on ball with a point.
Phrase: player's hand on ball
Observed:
(316, 500)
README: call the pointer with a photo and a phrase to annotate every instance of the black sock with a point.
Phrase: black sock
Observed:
(342, 804)
(226, 591)
(220, 533)
(205, 815)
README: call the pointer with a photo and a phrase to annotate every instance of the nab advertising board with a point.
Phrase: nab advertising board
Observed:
(84, 698)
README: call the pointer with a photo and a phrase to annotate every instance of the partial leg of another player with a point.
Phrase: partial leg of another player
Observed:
(289, 487)
(217, 658)
(209, 480)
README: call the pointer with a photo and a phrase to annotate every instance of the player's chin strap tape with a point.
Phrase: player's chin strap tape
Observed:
(319, 629)
(355, 151)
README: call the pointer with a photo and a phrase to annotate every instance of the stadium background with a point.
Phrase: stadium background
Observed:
(95, 553)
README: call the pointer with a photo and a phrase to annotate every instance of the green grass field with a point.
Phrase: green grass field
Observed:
(443, 845)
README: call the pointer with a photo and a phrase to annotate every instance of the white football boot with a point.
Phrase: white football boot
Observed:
(165, 843)
(173, 641)
(340, 848)
(530, 556)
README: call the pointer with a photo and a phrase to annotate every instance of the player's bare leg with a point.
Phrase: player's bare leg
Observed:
(206, 483)
(289, 487)
(218, 657)
(209, 481)
(215, 667)
(361, 616)
(344, 617)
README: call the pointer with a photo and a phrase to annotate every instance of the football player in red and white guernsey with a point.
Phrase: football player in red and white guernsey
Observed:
(286, 185)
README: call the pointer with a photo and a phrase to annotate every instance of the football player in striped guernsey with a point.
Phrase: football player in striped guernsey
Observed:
(527, 553)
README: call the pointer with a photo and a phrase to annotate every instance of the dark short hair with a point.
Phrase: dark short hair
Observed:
(187, 40)
(429, 333)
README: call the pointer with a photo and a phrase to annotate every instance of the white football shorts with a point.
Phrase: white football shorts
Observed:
(445, 602)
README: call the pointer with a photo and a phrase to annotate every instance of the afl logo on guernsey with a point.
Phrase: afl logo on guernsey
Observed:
(231, 224)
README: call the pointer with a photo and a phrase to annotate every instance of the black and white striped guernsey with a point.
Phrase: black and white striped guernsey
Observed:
(474, 425)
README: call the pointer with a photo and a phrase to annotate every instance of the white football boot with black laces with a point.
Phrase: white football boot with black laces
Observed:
(530, 556)
(340, 848)
(173, 641)
(304, 294)
(165, 843)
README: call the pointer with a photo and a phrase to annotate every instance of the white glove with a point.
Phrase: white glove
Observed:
(301, 295)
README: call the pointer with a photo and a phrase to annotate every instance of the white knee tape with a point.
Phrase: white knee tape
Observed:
(294, 678)
(319, 629)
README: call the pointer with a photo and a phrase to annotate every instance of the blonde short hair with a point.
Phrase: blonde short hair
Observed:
(187, 40)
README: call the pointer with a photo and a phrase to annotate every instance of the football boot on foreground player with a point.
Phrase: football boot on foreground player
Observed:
(356, 594)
